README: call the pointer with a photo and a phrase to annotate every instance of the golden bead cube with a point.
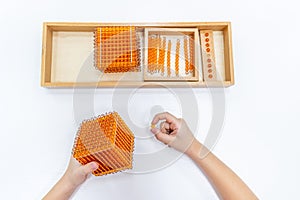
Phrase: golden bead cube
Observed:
(106, 140)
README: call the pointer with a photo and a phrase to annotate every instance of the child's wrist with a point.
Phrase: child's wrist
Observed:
(194, 150)
(68, 182)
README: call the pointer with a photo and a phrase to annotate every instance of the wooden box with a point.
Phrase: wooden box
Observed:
(68, 56)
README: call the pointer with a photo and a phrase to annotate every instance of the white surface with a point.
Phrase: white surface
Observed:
(260, 135)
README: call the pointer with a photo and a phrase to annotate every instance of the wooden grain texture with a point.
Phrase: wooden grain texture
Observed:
(228, 55)
(46, 55)
(90, 26)
(129, 84)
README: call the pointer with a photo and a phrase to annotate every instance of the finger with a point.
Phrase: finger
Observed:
(173, 126)
(165, 127)
(165, 138)
(89, 168)
(164, 116)
(154, 130)
(173, 132)
(162, 128)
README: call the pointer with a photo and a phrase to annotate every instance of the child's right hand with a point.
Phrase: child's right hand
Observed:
(174, 132)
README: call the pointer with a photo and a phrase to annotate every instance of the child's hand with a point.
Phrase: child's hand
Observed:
(173, 132)
(76, 173)
(74, 176)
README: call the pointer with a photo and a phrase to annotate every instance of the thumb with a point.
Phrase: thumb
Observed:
(165, 138)
(89, 168)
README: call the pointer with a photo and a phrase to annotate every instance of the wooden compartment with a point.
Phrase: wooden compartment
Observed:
(68, 56)
(173, 35)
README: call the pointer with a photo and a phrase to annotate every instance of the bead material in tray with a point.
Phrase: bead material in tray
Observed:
(208, 55)
(170, 54)
(116, 49)
(106, 140)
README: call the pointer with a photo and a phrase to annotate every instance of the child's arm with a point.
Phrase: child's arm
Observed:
(227, 184)
(74, 176)
(177, 134)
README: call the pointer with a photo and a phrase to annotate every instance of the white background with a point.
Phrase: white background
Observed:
(261, 132)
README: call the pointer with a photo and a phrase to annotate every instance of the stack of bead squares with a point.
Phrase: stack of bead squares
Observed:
(106, 140)
(116, 49)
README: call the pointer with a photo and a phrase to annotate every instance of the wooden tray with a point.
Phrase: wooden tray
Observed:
(68, 59)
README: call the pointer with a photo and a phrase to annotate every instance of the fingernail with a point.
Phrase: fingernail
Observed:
(155, 130)
(94, 166)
